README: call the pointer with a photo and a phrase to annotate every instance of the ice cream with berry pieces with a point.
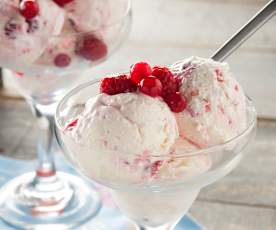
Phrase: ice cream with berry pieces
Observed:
(25, 28)
(57, 34)
(216, 102)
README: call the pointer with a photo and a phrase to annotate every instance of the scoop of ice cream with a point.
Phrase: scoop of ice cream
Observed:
(216, 109)
(120, 133)
(23, 40)
(129, 123)
(91, 15)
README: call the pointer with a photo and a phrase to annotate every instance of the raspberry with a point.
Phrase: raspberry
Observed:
(116, 85)
(170, 83)
(139, 71)
(91, 48)
(62, 2)
(108, 86)
(219, 75)
(62, 60)
(176, 102)
(125, 84)
(19, 74)
(151, 86)
(28, 8)
(155, 168)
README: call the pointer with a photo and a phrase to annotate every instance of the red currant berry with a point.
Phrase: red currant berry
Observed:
(176, 102)
(62, 60)
(155, 168)
(62, 2)
(28, 8)
(139, 71)
(170, 83)
(91, 48)
(151, 86)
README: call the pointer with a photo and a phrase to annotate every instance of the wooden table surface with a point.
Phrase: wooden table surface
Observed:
(245, 199)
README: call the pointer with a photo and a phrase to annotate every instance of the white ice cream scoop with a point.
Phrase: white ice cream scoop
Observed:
(216, 103)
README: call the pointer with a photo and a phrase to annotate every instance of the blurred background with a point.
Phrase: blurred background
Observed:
(163, 32)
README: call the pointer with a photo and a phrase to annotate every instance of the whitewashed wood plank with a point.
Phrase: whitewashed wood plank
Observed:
(197, 23)
(253, 181)
(14, 122)
(239, 2)
(27, 147)
(231, 217)
(257, 74)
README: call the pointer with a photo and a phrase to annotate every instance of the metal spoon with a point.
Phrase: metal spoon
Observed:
(264, 15)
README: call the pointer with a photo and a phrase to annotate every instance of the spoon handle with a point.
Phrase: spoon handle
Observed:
(266, 13)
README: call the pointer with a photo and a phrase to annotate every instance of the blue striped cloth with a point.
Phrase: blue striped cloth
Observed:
(10, 168)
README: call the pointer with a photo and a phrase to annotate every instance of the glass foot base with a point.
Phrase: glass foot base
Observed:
(24, 211)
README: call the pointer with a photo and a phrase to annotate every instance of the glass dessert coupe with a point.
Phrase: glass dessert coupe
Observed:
(47, 199)
(150, 202)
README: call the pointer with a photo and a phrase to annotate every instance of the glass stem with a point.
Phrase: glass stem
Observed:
(46, 194)
(45, 145)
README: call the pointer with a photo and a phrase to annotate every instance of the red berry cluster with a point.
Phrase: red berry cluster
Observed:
(155, 82)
